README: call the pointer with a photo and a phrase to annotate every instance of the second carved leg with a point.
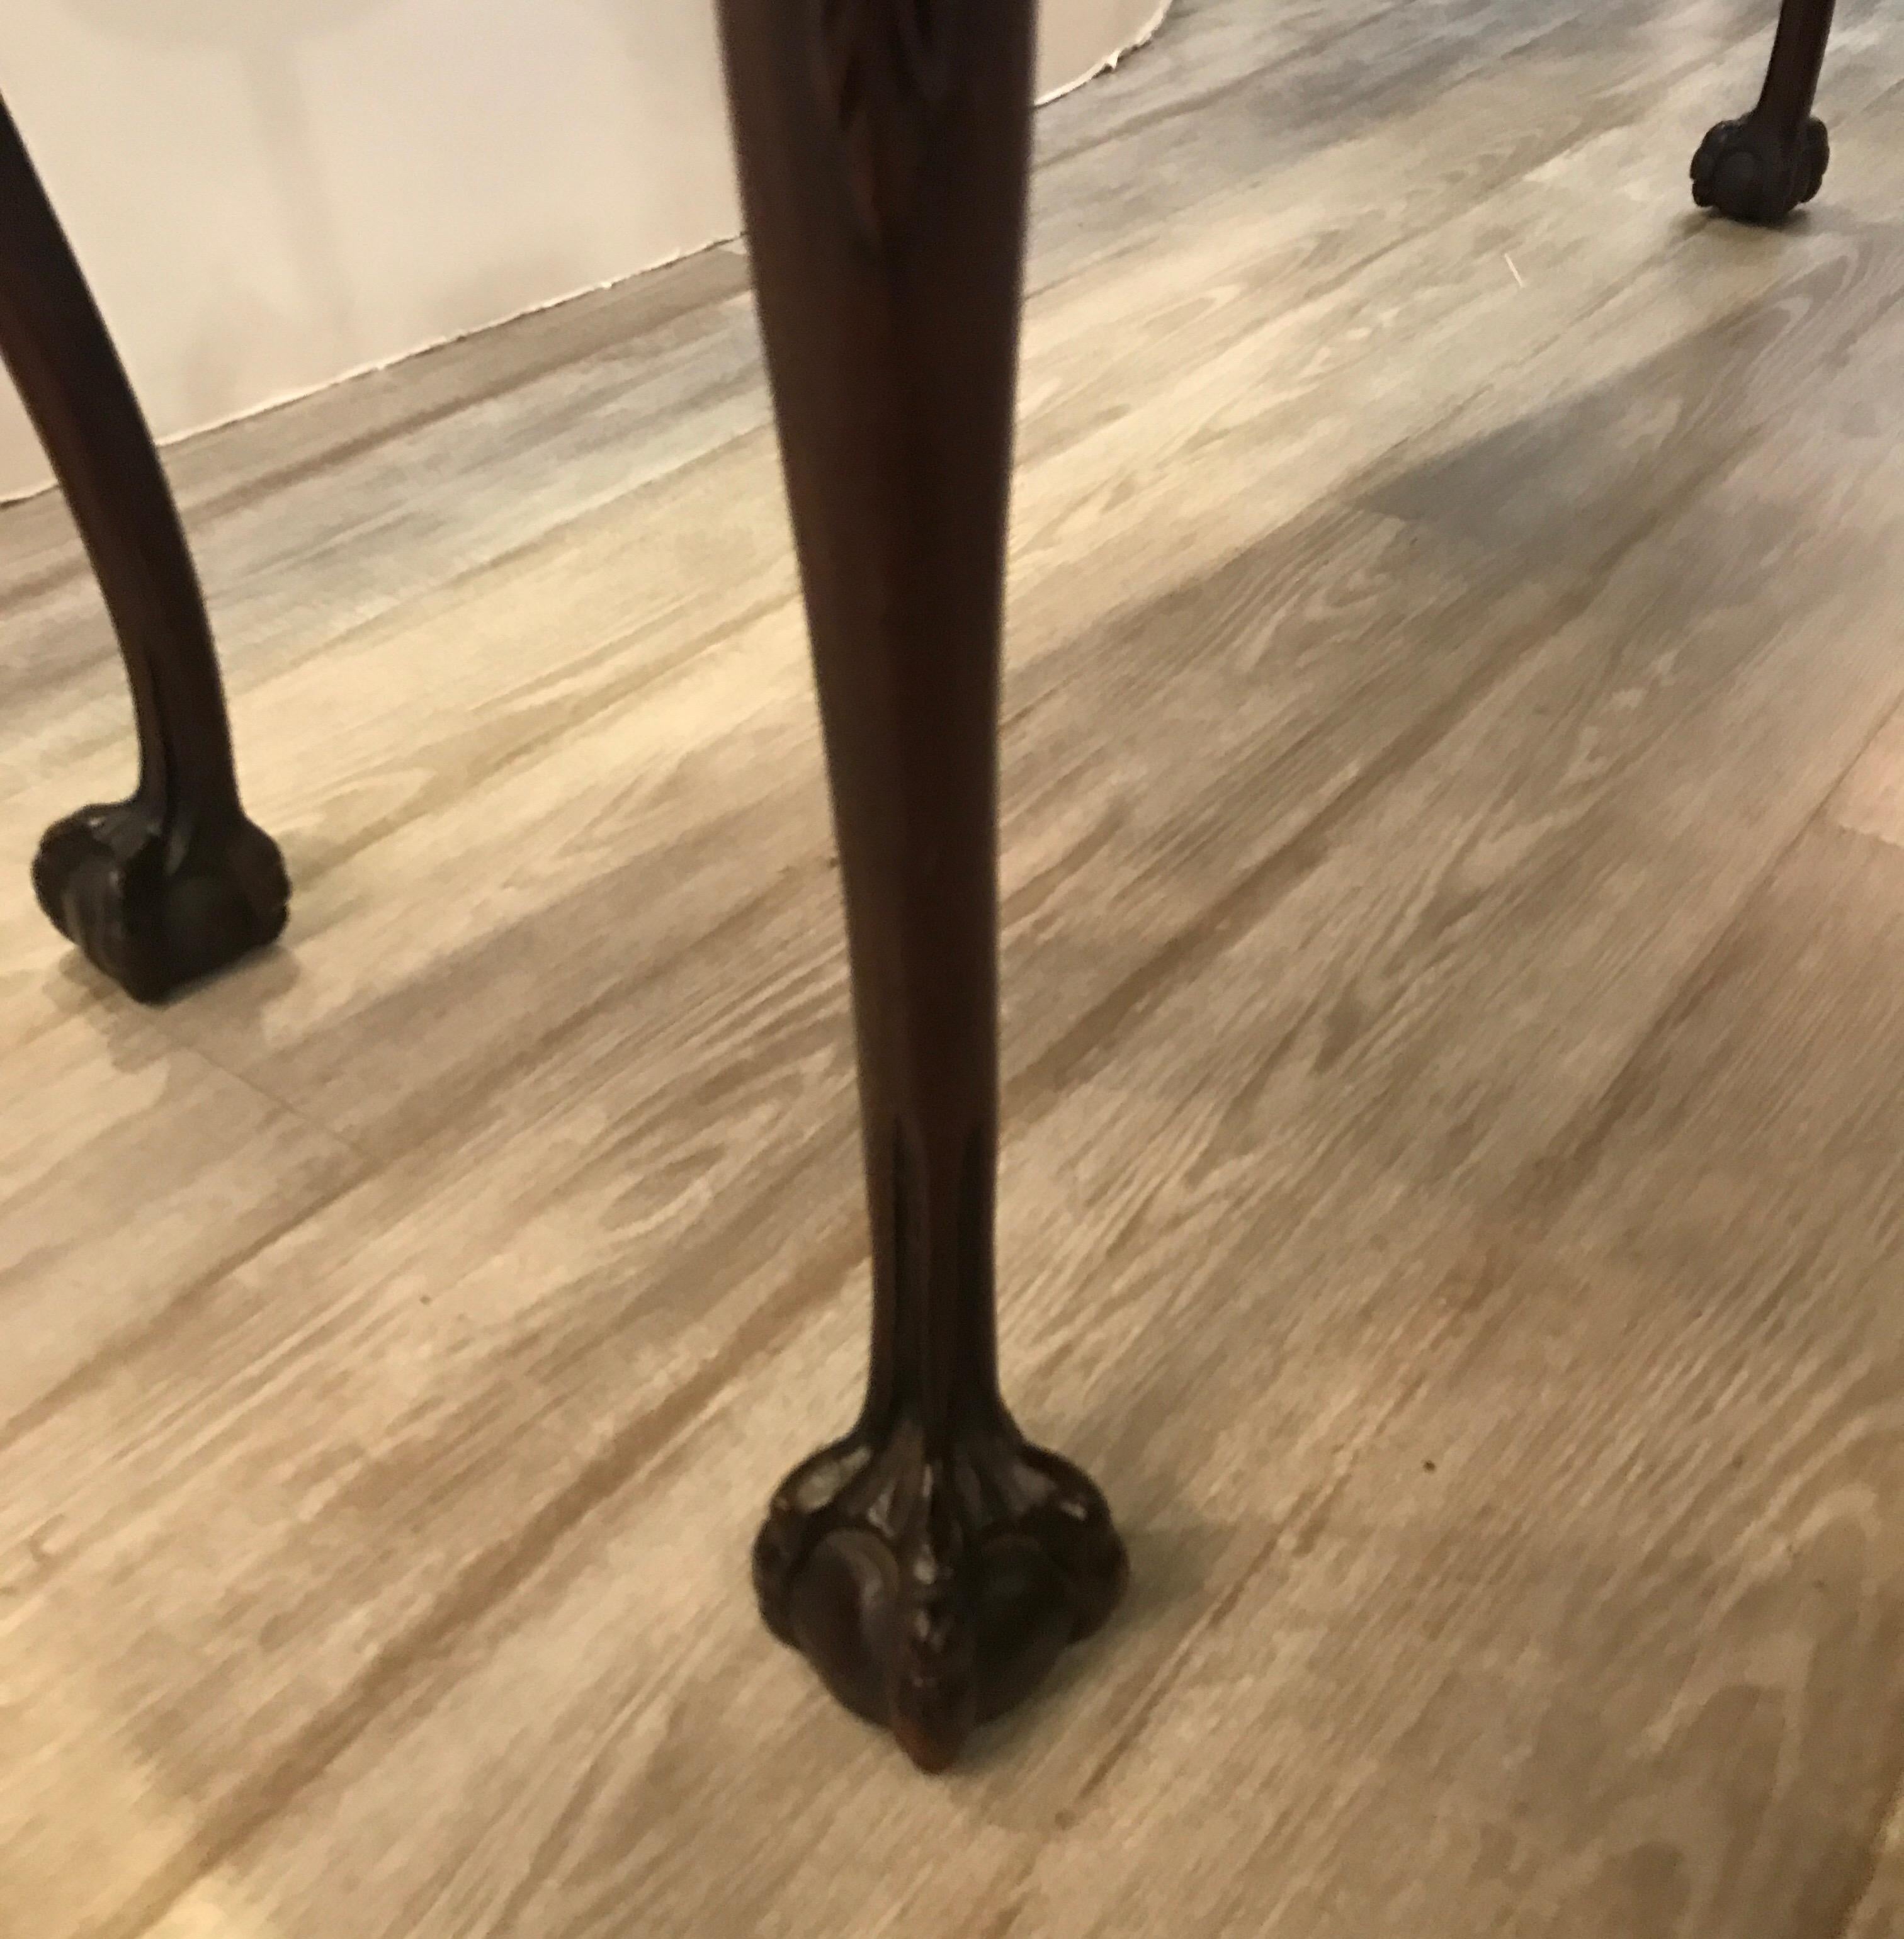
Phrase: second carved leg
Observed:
(933, 1564)
(174, 883)
(1761, 169)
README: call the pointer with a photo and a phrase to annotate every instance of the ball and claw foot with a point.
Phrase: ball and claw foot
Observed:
(155, 909)
(933, 1594)
(1749, 171)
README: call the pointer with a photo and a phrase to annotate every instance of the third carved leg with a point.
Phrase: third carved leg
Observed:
(934, 1564)
(1761, 169)
(175, 882)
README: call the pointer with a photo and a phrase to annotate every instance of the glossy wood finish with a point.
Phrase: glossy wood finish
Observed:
(175, 882)
(1452, 892)
(1762, 168)
(933, 1563)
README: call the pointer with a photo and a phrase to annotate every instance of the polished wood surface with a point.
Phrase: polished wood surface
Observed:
(1450, 791)
(174, 882)
(933, 1564)
(1773, 161)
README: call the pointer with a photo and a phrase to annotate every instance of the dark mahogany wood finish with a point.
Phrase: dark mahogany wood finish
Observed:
(933, 1563)
(1761, 169)
(175, 882)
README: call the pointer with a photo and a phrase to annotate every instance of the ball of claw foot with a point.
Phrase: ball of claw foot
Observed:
(154, 906)
(1749, 171)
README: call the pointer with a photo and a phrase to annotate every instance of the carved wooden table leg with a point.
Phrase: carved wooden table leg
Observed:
(1761, 169)
(933, 1564)
(175, 882)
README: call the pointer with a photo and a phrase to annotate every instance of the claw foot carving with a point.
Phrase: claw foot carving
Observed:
(933, 1593)
(156, 908)
(1749, 171)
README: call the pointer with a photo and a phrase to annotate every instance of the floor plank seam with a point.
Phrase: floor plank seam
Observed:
(1576, 1150)
(494, 1578)
(1214, 931)
(93, 1373)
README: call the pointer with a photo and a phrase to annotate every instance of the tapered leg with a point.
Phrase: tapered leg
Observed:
(174, 883)
(933, 1564)
(1761, 169)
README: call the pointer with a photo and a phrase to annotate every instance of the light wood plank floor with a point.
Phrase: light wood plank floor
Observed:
(1453, 1190)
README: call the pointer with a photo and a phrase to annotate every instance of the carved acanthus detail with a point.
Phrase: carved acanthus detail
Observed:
(884, 68)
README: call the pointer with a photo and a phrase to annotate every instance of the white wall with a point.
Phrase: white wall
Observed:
(268, 194)
(1077, 39)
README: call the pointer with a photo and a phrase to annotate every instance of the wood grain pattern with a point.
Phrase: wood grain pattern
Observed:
(1603, 1636)
(1452, 1016)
